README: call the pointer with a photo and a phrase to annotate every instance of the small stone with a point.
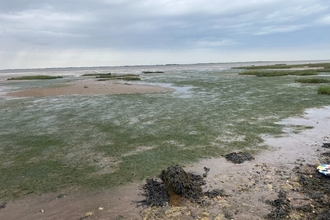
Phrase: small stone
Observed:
(188, 213)
(205, 215)
(3, 205)
(270, 186)
(87, 214)
(42, 211)
(286, 186)
(296, 184)
(101, 208)
(220, 217)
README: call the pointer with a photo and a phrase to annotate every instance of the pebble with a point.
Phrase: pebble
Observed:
(89, 214)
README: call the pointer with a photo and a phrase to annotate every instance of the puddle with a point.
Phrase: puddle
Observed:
(311, 117)
(180, 91)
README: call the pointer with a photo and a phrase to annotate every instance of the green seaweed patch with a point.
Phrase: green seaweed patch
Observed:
(280, 73)
(97, 74)
(312, 80)
(299, 128)
(149, 72)
(326, 66)
(127, 77)
(324, 90)
(275, 66)
(37, 77)
(324, 70)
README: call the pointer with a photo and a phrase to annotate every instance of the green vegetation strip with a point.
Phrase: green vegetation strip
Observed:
(123, 77)
(97, 74)
(280, 73)
(312, 80)
(324, 90)
(109, 76)
(284, 66)
(37, 77)
(149, 72)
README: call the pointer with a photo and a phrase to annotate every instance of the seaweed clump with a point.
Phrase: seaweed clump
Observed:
(239, 157)
(175, 186)
(187, 185)
(216, 193)
(155, 193)
(316, 186)
(282, 207)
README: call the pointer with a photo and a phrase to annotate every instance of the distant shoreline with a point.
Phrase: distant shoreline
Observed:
(160, 65)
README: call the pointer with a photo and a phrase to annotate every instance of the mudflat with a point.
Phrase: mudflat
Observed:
(248, 186)
(90, 87)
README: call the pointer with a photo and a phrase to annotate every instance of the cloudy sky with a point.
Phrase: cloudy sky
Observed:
(60, 33)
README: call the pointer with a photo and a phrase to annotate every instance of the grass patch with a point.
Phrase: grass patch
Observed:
(298, 128)
(312, 80)
(109, 76)
(285, 66)
(280, 73)
(97, 74)
(325, 65)
(275, 66)
(149, 72)
(324, 70)
(36, 77)
(324, 90)
(122, 77)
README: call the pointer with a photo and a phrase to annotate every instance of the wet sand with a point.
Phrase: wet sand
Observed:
(248, 185)
(90, 87)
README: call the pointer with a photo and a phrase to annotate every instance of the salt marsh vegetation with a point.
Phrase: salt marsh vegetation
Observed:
(91, 142)
(313, 80)
(36, 77)
(324, 90)
(267, 73)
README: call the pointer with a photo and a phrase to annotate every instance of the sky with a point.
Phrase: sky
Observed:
(78, 33)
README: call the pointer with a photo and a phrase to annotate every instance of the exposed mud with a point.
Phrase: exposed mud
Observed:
(90, 87)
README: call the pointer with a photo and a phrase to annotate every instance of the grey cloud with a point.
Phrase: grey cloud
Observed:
(170, 24)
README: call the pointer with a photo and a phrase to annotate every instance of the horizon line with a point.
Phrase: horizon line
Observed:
(169, 64)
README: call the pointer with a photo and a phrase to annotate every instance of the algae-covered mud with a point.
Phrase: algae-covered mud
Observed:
(88, 143)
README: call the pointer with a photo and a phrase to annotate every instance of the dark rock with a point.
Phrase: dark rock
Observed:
(326, 145)
(3, 205)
